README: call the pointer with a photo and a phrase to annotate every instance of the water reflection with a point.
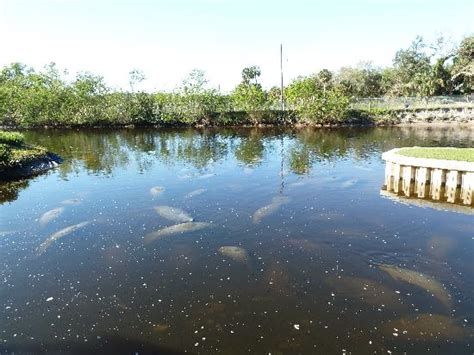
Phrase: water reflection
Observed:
(102, 152)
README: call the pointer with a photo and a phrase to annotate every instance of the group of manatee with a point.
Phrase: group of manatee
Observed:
(184, 222)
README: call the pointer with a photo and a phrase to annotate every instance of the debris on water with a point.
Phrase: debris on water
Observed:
(267, 210)
(50, 215)
(173, 214)
(235, 253)
(175, 229)
(59, 234)
(420, 280)
(157, 191)
(296, 326)
(49, 299)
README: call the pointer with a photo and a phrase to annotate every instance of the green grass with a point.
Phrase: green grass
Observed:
(460, 154)
(13, 150)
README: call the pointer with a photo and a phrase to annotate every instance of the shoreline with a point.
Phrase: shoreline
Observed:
(440, 116)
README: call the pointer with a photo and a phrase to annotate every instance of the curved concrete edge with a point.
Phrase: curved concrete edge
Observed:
(32, 168)
(392, 156)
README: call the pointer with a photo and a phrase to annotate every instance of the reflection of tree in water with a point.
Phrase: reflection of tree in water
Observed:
(102, 151)
(9, 190)
(251, 148)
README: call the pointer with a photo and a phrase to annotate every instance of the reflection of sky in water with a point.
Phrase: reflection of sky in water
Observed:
(308, 274)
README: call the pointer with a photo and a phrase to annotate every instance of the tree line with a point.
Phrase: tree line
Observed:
(30, 98)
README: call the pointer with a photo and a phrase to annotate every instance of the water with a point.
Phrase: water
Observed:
(309, 274)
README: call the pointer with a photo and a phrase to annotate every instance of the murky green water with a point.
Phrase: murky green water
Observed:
(323, 263)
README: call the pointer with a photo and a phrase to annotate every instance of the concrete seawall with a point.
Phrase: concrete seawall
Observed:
(440, 180)
(434, 115)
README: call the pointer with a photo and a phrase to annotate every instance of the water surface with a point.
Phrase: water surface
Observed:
(323, 264)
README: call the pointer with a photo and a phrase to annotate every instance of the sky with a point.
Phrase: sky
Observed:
(166, 39)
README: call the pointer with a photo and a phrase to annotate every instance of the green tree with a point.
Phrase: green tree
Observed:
(249, 96)
(463, 67)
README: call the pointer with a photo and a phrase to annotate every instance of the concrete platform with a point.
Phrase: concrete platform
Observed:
(440, 180)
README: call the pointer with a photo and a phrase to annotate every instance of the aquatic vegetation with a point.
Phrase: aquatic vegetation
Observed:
(235, 253)
(58, 235)
(267, 210)
(157, 191)
(420, 280)
(50, 215)
(428, 327)
(195, 193)
(175, 229)
(173, 214)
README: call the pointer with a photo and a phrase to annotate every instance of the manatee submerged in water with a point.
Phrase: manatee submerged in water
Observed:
(421, 280)
(175, 229)
(173, 214)
(427, 327)
(195, 193)
(235, 253)
(157, 191)
(71, 201)
(267, 210)
(366, 290)
(50, 215)
(58, 235)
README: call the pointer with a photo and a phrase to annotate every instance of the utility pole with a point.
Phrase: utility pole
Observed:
(282, 102)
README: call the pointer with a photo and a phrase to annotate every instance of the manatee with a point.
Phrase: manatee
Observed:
(366, 290)
(50, 215)
(348, 183)
(156, 191)
(235, 253)
(58, 235)
(267, 210)
(195, 193)
(71, 201)
(173, 214)
(428, 327)
(175, 229)
(206, 176)
(421, 280)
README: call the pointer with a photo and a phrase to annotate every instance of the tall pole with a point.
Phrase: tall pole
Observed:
(281, 75)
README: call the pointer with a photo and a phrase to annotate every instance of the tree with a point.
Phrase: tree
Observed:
(251, 73)
(135, 76)
(325, 77)
(361, 81)
(463, 67)
(248, 95)
(315, 104)
(413, 71)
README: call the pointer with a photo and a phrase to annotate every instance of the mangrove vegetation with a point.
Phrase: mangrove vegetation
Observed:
(30, 98)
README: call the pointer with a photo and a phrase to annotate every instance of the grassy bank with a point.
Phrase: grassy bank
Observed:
(14, 151)
(460, 154)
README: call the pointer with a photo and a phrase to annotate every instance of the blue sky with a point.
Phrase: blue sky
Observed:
(168, 38)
